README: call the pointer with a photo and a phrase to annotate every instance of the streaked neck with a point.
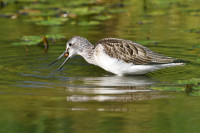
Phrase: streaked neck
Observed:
(88, 54)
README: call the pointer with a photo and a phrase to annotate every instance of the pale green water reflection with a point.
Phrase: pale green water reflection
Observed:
(35, 98)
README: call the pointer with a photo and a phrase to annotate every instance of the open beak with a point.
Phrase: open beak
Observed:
(65, 54)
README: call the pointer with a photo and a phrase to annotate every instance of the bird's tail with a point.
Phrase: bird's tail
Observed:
(180, 61)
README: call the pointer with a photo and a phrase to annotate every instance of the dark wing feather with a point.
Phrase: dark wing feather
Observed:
(132, 52)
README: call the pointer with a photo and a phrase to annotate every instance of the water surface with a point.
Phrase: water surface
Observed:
(85, 98)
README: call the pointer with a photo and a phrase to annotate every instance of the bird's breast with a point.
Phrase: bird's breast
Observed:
(109, 63)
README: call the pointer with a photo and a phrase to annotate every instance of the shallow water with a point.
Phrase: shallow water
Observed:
(84, 98)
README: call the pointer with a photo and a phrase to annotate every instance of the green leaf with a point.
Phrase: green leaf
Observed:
(156, 13)
(103, 17)
(55, 36)
(196, 87)
(89, 23)
(44, 13)
(34, 40)
(42, 6)
(86, 10)
(52, 21)
(29, 40)
(34, 19)
(190, 81)
(195, 93)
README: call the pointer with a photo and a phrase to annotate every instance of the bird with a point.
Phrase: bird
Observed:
(118, 56)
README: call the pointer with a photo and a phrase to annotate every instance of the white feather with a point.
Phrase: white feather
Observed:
(121, 67)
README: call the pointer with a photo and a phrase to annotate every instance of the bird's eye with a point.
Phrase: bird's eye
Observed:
(70, 44)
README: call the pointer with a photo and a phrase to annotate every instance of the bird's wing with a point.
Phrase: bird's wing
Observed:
(132, 52)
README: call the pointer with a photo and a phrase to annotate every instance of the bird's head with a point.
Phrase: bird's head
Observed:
(73, 47)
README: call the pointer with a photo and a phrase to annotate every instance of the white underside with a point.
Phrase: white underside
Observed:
(120, 67)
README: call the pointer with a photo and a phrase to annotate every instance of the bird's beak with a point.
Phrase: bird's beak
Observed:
(65, 54)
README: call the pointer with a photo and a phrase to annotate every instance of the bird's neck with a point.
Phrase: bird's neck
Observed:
(88, 54)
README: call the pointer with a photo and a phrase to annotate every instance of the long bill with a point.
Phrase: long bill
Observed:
(58, 58)
(64, 63)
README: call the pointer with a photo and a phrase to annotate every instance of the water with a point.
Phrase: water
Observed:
(85, 98)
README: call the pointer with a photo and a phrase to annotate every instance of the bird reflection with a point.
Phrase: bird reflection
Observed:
(120, 81)
(112, 88)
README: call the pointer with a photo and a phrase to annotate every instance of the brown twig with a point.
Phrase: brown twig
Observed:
(26, 49)
(45, 42)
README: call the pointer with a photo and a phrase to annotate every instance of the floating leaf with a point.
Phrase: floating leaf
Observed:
(156, 13)
(34, 40)
(29, 40)
(98, 9)
(49, 22)
(34, 19)
(90, 23)
(86, 10)
(23, 43)
(55, 36)
(52, 21)
(42, 6)
(81, 2)
(195, 93)
(197, 87)
(103, 17)
(194, 81)
(46, 13)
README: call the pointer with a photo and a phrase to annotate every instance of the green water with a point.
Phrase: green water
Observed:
(83, 98)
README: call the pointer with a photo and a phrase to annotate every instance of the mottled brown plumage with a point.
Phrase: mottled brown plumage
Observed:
(132, 52)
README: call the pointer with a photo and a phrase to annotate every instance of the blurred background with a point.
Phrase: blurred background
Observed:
(84, 98)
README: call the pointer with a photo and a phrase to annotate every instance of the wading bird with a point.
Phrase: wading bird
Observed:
(118, 56)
